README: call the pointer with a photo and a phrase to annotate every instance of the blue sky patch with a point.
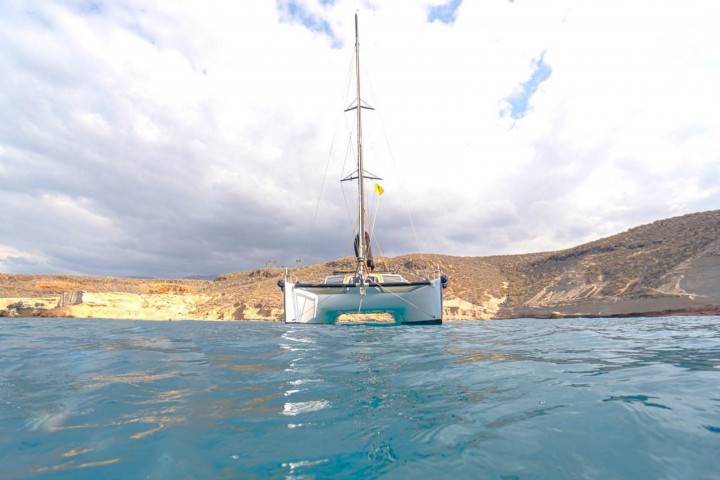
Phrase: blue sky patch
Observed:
(91, 7)
(294, 12)
(517, 102)
(445, 13)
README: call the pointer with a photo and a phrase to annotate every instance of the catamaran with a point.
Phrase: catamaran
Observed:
(363, 291)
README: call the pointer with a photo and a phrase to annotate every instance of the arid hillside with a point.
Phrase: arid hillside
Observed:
(667, 267)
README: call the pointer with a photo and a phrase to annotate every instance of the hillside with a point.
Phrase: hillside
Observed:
(670, 266)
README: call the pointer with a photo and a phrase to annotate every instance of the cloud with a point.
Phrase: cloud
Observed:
(13, 259)
(151, 138)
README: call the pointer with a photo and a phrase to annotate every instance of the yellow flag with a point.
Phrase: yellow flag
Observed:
(378, 189)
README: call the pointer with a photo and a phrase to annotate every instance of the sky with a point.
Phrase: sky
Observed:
(171, 139)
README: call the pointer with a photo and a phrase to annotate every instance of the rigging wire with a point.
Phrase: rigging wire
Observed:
(349, 152)
(331, 150)
(372, 225)
(351, 128)
(384, 290)
(374, 237)
(342, 186)
(322, 185)
(396, 163)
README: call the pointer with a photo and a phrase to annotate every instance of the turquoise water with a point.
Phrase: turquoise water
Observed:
(517, 399)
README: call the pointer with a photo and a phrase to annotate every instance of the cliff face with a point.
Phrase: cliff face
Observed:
(668, 267)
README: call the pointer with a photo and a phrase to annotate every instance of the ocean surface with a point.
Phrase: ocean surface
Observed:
(517, 399)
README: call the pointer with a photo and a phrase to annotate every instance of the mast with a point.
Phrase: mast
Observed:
(360, 170)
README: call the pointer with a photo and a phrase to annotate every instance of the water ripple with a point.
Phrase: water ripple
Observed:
(573, 398)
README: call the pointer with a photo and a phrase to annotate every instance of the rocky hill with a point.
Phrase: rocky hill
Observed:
(668, 267)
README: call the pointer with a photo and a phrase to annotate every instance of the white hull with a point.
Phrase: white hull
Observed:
(411, 303)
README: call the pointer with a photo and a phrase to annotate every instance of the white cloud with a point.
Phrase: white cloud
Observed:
(199, 133)
(11, 258)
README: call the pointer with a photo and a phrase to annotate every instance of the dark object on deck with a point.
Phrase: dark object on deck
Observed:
(444, 280)
(281, 284)
(368, 253)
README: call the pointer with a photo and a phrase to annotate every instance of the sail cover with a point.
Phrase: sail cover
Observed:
(368, 253)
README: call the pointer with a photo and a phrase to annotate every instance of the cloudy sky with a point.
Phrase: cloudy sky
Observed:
(154, 138)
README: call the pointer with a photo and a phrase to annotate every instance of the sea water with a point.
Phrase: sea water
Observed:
(516, 399)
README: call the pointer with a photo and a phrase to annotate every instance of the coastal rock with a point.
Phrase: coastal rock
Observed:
(67, 299)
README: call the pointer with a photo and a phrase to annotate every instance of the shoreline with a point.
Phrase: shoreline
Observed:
(163, 309)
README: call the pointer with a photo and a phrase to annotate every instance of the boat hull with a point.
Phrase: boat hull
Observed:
(417, 303)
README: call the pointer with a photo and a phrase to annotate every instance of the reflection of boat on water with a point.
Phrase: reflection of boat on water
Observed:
(363, 291)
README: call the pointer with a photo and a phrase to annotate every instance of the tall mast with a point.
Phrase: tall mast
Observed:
(360, 170)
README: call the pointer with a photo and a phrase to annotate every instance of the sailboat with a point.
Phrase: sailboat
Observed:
(363, 291)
